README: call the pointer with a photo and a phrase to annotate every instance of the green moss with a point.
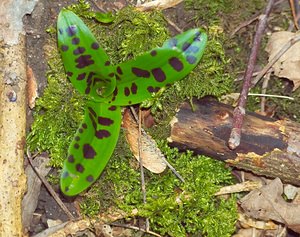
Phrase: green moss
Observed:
(173, 208)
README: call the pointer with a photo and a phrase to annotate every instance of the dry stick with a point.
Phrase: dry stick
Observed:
(163, 159)
(141, 165)
(284, 48)
(263, 91)
(50, 189)
(239, 111)
(135, 228)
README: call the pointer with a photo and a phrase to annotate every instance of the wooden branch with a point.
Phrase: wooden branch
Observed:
(12, 113)
(268, 147)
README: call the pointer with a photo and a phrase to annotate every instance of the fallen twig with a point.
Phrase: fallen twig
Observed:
(239, 112)
(135, 228)
(50, 189)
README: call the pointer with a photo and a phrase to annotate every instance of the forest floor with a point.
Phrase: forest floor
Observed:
(45, 15)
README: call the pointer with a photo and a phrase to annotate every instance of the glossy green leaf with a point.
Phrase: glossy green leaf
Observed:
(86, 64)
(91, 148)
(137, 79)
(107, 87)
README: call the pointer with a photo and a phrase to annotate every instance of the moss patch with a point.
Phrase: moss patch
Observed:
(173, 208)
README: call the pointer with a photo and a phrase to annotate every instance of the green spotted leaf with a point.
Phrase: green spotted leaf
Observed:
(108, 87)
(86, 63)
(91, 148)
(139, 78)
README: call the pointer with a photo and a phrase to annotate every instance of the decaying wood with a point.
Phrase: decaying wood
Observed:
(12, 114)
(268, 147)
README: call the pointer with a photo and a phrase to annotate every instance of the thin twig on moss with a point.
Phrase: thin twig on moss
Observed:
(239, 112)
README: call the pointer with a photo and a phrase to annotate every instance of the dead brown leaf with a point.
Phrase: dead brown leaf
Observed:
(151, 155)
(267, 203)
(288, 65)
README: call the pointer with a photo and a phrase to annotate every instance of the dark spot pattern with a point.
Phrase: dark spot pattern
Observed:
(76, 146)
(95, 45)
(71, 158)
(158, 74)
(111, 74)
(84, 61)
(100, 134)
(90, 178)
(75, 40)
(191, 59)
(88, 152)
(118, 78)
(80, 130)
(185, 46)
(87, 90)
(67, 189)
(140, 72)
(65, 174)
(151, 89)
(133, 88)
(153, 53)
(112, 108)
(79, 168)
(119, 70)
(176, 64)
(60, 31)
(105, 121)
(92, 111)
(77, 138)
(79, 50)
(93, 121)
(126, 91)
(84, 125)
(69, 74)
(107, 63)
(64, 48)
(81, 76)
(71, 30)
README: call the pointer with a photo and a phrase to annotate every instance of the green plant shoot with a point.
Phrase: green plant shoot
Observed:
(107, 87)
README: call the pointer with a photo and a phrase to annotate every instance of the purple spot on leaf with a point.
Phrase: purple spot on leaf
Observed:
(140, 72)
(111, 74)
(158, 74)
(79, 168)
(90, 178)
(95, 45)
(100, 134)
(107, 63)
(92, 111)
(153, 53)
(119, 70)
(69, 74)
(126, 91)
(79, 50)
(176, 64)
(84, 61)
(64, 48)
(77, 138)
(76, 146)
(105, 121)
(71, 30)
(185, 46)
(151, 89)
(84, 125)
(71, 158)
(75, 40)
(81, 76)
(112, 108)
(191, 59)
(80, 130)
(88, 152)
(133, 88)
(87, 90)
